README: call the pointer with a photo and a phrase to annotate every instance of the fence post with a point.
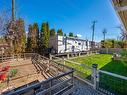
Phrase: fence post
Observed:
(79, 54)
(24, 56)
(67, 55)
(94, 66)
(50, 56)
(63, 60)
(107, 50)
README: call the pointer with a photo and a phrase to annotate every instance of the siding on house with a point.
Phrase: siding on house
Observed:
(62, 44)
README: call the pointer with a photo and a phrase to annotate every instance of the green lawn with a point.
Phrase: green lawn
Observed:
(105, 63)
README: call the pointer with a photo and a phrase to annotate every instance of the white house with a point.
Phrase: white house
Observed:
(62, 44)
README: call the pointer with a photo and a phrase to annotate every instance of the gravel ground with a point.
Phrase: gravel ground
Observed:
(82, 88)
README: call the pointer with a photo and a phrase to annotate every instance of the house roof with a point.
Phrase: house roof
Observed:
(121, 8)
(75, 38)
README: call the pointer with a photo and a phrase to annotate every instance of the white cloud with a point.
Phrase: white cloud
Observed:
(79, 35)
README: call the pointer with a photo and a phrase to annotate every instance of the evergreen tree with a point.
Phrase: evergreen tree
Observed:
(60, 32)
(44, 36)
(52, 32)
(36, 32)
(71, 34)
(29, 41)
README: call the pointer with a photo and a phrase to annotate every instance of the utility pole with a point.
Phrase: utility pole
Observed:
(104, 33)
(13, 10)
(93, 28)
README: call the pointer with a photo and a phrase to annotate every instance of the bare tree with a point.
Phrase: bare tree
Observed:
(123, 33)
(4, 20)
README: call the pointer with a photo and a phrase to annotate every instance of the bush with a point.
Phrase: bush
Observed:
(124, 53)
(14, 72)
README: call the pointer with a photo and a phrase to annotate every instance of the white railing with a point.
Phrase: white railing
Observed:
(111, 83)
(113, 74)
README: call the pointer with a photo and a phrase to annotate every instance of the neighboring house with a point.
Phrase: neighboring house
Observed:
(62, 44)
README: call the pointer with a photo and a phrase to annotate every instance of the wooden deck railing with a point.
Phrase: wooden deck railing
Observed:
(60, 82)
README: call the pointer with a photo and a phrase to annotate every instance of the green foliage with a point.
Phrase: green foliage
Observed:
(111, 43)
(60, 32)
(124, 53)
(20, 37)
(52, 32)
(108, 43)
(71, 34)
(65, 34)
(17, 39)
(33, 38)
(44, 36)
(36, 30)
(13, 72)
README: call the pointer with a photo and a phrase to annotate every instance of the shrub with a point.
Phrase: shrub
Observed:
(124, 53)
(14, 72)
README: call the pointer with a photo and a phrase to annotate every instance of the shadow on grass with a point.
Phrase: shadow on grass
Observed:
(112, 84)
(117, 67)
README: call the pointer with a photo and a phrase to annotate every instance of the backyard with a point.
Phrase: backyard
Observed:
(105, 63)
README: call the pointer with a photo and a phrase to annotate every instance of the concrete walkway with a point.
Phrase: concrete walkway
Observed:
(82, 88)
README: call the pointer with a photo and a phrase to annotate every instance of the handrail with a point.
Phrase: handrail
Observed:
(53, 87)
(35, 56)
(112, 74)
(82, 65)
(20, 91)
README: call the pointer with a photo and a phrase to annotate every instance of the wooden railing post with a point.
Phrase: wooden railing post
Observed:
(2, 58)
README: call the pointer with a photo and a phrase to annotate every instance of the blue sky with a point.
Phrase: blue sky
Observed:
(71, 15)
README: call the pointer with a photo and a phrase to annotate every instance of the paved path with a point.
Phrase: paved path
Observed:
(82, 88)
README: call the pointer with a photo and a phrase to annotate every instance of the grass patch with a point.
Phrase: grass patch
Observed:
(105, 63)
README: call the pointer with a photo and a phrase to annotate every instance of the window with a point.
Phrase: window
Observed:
(79, 43)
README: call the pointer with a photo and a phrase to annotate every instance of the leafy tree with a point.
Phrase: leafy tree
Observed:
(71, 34)
(60, 32)
(108, 44)
(18, 35)
(44, 36)
(65, 34)
(111, 43)
(52, 32)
